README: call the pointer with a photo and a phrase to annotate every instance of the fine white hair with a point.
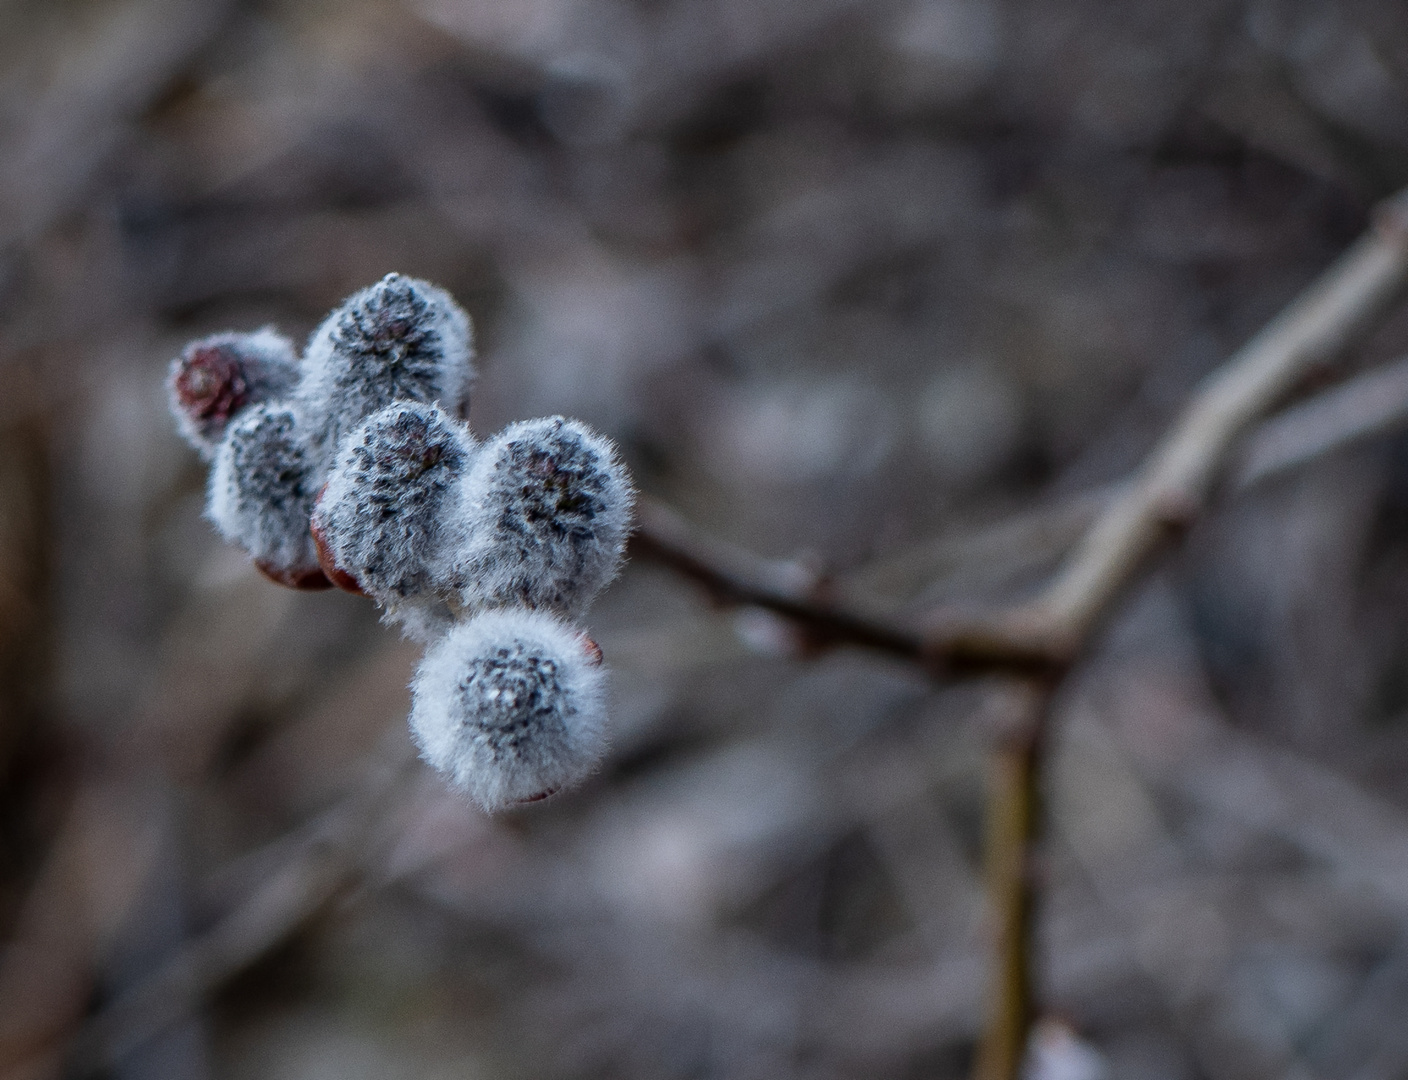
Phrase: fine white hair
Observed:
(401, 339)
(547, 511)
(389, 507)
(510, 705)
(354, 467)
(261, 491)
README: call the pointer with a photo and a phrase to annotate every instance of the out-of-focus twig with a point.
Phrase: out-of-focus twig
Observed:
(1167, 495)
(279, 905)
(1021, 543)
(735, 575)
(1040, 640)
(80, 103)
(30, 1009)
(1013, 821)
(26, 552)
(1173, 486)
(1370, 404)
(321, 865)
(1130, 518)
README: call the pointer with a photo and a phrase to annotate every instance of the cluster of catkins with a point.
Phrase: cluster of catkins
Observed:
(353, 466)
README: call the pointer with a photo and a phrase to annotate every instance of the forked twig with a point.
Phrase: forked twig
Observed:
(1039, 641)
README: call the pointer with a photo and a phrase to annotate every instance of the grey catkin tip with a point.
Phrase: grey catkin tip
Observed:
(401, 339)
(510, 705)
(216, 378)
(261, 489)
(547, 511)
(389, 506)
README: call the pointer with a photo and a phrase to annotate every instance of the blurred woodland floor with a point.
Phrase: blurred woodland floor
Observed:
(850, 282)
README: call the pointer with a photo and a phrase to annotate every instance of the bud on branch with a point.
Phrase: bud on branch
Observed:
(354, 467)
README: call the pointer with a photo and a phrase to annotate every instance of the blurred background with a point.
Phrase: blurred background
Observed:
(894, 290)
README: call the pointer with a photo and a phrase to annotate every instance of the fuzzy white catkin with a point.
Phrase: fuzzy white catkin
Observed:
(401, 339)
(261, 489)
(387, 510)
(217, 377)
(546, 511)
(510, 705)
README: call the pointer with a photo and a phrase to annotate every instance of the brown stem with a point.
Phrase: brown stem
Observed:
(1041, 639)
(1170, 491)
(1013, 821)
(734, 575)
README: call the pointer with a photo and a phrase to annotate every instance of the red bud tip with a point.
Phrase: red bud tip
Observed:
(211, 383)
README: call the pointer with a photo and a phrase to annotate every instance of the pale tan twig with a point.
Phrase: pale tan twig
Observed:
(1173, 486)
(1370, 404)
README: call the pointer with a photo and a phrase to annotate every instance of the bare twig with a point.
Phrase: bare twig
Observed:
(1039, 641)
(1169, 493)
(1013, 818)
(323, 864)
(26, 547)
(1173, 486)
(1371, 404)
(1027, 541)
(734, 575)
(1166, 494)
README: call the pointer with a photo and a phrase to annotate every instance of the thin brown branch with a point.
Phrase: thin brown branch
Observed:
(1040, 640)
(733, 575)
(1013, 818)
(1170, 491)
(1164, 497)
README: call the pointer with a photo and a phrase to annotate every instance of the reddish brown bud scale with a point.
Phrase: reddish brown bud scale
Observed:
(335, 574)
(219, 377)
(592, 649)
(305, 579)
